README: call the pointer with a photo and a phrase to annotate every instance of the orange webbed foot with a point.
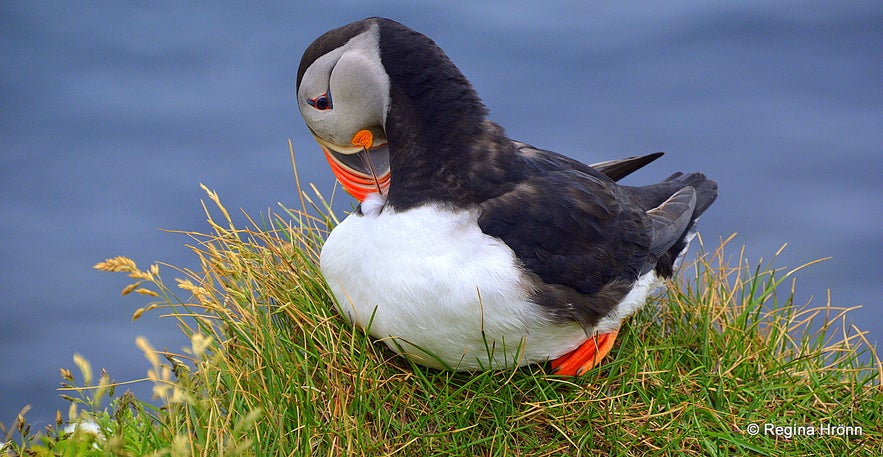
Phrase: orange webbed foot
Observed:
(587, 356)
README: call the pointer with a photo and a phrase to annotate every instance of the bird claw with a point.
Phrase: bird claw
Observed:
(587, 356)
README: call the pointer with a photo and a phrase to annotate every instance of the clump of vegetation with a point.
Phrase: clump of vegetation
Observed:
(272, 369)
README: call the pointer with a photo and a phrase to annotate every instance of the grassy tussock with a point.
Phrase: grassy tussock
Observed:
(273, 370)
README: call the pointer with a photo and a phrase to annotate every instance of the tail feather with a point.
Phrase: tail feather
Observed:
(670, 219)
(706, 189)
(705, 194)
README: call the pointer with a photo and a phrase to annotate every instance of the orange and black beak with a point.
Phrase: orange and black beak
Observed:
(362, 167)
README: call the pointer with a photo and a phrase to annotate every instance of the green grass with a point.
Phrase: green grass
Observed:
(274, 370)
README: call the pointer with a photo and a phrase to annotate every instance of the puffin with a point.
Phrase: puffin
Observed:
(470, 251)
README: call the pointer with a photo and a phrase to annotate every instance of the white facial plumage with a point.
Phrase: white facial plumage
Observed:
(357, 85)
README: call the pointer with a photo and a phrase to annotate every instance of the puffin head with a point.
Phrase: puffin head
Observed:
(343, 95)
(386, 104)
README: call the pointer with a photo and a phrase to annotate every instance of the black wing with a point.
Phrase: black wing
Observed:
(583, 239)
(614, 169)
(577, 237)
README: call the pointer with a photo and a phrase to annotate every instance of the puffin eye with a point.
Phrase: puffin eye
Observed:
(321, 103)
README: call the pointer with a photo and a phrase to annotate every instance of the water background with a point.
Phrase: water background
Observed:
(113, 113)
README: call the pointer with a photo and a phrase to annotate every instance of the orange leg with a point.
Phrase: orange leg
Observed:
(585, 357)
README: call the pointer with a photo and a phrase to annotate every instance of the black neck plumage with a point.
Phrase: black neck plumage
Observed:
(442, 147)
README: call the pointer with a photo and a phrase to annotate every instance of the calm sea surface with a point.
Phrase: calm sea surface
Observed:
(113, 114)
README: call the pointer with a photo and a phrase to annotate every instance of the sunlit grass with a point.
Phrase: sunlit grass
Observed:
(272, 369)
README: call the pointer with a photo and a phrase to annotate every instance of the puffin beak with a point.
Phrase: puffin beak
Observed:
(363, 167)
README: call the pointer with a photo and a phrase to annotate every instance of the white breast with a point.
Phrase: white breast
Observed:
(434, 287)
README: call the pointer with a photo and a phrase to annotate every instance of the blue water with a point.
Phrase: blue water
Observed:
(113, 114)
